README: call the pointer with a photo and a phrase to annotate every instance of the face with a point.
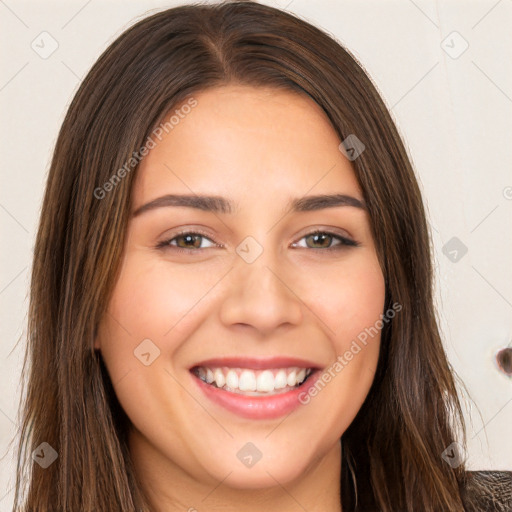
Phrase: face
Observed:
(247, 288)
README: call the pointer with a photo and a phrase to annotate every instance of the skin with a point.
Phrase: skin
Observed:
(260, 148)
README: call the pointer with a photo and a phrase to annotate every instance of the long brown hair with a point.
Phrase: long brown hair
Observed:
(391, 458)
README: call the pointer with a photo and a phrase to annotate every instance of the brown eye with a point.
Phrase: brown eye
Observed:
(187, 241)
(320, 239)
(324, 239)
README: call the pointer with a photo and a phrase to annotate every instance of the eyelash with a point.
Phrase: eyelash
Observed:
(344, 242)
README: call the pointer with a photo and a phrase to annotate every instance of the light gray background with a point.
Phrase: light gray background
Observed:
(455, 115)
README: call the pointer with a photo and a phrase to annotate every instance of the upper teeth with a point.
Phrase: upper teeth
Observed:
(244, 379)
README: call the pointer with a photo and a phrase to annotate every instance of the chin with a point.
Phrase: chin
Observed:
(258, 476)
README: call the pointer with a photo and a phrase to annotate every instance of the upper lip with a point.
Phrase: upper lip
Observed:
(257, 363)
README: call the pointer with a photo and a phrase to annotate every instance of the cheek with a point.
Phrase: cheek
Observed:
(351, 304)
(149, 302)
(151, 298)
(146, 304)
(347, 298)
(152, 301)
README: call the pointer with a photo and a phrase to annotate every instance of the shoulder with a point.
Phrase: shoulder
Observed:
(489, 491)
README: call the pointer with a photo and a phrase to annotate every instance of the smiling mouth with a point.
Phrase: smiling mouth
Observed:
(249, 382)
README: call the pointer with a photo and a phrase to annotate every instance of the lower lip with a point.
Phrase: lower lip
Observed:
(258, 407)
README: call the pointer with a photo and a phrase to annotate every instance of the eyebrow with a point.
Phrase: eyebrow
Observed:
(218, 204)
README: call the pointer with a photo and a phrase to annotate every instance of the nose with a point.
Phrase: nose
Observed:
(261, 295)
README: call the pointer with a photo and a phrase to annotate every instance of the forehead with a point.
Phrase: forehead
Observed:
(246, 141)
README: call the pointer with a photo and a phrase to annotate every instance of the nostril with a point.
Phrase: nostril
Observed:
(504, 360)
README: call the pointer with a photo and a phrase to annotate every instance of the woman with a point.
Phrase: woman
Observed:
(292, 363)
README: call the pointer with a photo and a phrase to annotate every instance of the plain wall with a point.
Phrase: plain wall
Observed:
(453, 111)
